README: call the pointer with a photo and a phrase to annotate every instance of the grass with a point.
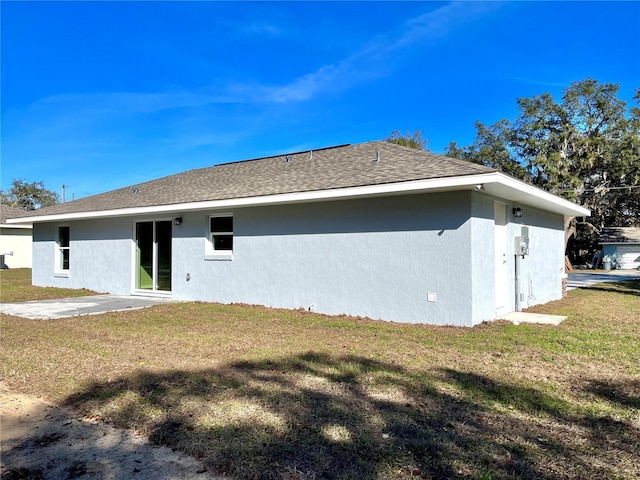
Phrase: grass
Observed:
(273, 394)
(15, 286)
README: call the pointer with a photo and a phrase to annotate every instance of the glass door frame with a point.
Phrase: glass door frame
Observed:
(156, 276)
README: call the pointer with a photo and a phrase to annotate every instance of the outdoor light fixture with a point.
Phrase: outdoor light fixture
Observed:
(517, 212)
(479, 188)
(177, 221)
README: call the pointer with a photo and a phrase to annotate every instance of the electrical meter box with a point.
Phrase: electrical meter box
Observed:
(521, 243)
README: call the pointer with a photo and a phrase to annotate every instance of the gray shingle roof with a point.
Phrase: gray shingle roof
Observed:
(324, 169)
(7, 211)
(620, 235)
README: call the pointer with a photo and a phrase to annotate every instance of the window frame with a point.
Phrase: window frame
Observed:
(211, 253)
(61, 249)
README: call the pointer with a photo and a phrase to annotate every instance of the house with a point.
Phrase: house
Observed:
(623, 244)
(15, 239)
(372, 229)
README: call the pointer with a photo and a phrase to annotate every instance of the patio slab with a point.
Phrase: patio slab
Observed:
(525, 317)
(77, 306)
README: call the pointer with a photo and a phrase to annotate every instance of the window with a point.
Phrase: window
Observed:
(221, 233)
(63, 248)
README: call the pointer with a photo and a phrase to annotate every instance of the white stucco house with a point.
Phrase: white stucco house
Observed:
(372, 229)
(15, 239)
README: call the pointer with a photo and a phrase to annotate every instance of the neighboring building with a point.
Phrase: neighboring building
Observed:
(373, 229)
(623, 244)
(15, 240)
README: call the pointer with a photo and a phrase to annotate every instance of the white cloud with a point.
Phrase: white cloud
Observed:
(542, 82)
(187, 118)
(261, 28)
(130, 102)
(377, 58)
(381, 53)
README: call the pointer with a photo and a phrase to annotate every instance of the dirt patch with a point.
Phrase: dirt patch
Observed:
(41, 441)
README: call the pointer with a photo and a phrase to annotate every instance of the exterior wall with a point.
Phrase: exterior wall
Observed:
(18, 241)
(627, 254)
(379, 257)
(99, 251)
(541, 271)
(482, 259)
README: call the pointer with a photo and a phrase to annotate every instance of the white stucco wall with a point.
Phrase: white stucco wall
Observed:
(543, 269)
(379, 257)
(100, 255)
(482, 258)
(18, 241)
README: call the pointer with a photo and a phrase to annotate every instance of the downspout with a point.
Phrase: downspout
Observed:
(517, 279)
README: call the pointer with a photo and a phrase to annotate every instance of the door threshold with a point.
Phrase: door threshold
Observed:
(151, 293)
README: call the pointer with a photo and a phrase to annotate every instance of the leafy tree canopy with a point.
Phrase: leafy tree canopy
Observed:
(585, 148)
(28, 196)
(412, 140)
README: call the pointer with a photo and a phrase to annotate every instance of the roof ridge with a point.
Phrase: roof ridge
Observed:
(233, 162)
(337, 167)
(433, 154)
(278, 155)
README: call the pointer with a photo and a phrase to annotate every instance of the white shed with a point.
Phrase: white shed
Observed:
(623, 244)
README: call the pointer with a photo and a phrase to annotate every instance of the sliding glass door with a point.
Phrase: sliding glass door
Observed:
(153, 255)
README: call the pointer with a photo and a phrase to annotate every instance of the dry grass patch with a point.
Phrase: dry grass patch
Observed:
(15, 286)
(266, 393)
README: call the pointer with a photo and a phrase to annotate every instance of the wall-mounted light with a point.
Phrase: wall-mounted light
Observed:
(479, 188)
(517, 212)
(177, 221)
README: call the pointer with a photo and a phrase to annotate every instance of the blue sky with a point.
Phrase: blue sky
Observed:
(101, 95)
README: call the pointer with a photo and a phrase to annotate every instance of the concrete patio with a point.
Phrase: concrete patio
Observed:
(78, 306)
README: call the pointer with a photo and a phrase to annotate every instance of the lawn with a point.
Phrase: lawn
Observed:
(273, 394)
(15, 286)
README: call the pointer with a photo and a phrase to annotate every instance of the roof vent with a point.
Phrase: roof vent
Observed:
(287, 158)
(134, 190)
(377, 156)
(310, 154)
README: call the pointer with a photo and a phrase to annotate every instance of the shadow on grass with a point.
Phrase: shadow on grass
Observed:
(627, 287)
(625, 394)
(347, 417)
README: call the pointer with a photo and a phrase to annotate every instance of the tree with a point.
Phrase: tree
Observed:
(28, 196)
(411, 140)
(585, 148)
(491, 148)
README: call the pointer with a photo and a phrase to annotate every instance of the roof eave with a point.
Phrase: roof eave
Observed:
(525, 194)
(619, 242)
(24, 226)
(494, 183)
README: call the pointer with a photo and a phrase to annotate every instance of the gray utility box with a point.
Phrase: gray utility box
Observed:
(521, 243)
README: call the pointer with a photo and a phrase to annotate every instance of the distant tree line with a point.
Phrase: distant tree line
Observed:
(585, 148)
